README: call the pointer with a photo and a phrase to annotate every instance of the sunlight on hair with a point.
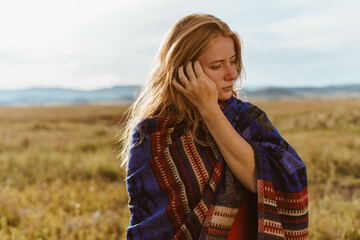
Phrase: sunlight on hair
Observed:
(238, 88)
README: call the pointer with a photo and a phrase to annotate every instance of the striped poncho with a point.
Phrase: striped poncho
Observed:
(180, 189)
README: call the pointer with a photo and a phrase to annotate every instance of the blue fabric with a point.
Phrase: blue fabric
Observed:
(276, 162)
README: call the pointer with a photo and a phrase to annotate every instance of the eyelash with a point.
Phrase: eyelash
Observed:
(217, 67)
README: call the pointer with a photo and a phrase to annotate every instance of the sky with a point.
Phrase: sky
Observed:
(87, 44)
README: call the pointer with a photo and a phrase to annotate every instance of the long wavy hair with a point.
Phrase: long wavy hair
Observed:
(185, 42)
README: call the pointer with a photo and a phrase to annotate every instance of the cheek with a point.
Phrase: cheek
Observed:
(215, 76)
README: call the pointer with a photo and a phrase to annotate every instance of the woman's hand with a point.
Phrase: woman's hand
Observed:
(198, 87)
(202, 93)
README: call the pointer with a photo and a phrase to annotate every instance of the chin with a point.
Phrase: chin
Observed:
(225, 96)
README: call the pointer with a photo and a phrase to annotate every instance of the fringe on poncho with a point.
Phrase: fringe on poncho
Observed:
(179, 189)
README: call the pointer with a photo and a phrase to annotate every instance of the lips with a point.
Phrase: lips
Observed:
(228, 88)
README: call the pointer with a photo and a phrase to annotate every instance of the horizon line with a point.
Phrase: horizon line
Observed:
(141, 85)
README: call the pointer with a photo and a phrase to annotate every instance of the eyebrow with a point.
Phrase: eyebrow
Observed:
(221, 60)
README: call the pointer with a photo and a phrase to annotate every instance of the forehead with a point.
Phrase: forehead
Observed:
(220, 48)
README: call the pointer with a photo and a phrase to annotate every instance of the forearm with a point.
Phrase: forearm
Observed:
(202, 92)
(238, 154)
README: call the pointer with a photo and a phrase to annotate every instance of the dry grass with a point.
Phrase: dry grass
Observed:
(60, 178)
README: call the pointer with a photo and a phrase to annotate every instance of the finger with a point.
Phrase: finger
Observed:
(190, 71)
(182, 77)
(198, 69)
(178, 86)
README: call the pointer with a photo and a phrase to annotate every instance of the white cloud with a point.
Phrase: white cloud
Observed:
(89, 44)
(332, 26)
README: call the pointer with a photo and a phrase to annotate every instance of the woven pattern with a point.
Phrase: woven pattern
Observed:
(179, 189)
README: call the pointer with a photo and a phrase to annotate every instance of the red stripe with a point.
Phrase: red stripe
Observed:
(286, 218)
(286, 200)
(191, 227)
(295, 235)
(182, 172)
(273, 228)
(166, 183)
(171, 190)
(194, 158)
(164, 123)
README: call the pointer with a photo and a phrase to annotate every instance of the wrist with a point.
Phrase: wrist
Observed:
(210, 112)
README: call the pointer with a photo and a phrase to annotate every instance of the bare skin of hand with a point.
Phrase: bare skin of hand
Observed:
(200, 90)
(203, 94)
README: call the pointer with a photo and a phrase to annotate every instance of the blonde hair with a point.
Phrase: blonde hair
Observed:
(185, 42)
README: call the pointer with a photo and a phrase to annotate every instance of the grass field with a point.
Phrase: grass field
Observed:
(60, 178)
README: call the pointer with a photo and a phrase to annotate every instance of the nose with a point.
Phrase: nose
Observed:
(231, 72)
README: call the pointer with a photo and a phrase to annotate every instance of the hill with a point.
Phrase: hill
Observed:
(342, 91)
(54, 96)
(128, 93)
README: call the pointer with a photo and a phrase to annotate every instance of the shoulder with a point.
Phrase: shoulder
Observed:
(143, 127)
(257, 115)
(237, 106)
(247, 114)
(148, 132)
(147, 125)
(154, 124)
(254, 112)
(139, 151)
(251, 110)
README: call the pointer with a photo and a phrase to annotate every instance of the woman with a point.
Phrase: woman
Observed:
(202, 164)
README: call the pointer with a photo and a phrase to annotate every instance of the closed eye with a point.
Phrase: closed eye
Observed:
(215, 67)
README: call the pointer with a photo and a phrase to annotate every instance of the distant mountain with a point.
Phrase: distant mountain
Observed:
(343, 91)
(41, 96)
(128, 93)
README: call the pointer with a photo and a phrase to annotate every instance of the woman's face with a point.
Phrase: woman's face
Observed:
(219, 64)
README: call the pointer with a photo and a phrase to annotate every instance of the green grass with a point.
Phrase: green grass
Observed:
(60, 178)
